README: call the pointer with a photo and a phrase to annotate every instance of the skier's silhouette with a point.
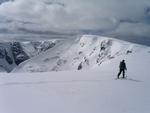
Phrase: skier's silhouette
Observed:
(122, 67)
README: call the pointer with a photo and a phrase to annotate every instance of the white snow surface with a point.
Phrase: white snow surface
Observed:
(94, 91)
(85, 91)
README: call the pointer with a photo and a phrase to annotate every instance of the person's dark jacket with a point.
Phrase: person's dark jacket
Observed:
(122, 65)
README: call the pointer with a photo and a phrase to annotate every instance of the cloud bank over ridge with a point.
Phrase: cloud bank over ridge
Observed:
(108, 17)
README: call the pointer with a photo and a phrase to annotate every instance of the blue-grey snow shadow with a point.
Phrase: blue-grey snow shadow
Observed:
(134, 80)
(131, 79)
(48, 82)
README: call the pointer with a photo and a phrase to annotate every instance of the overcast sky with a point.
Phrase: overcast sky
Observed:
(125, 17)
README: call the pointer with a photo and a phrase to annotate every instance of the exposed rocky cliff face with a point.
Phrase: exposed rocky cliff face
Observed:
(14, 53)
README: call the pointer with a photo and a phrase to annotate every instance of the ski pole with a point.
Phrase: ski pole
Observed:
(126, 74)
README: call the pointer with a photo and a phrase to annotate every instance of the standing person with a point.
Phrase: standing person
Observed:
(122, 68)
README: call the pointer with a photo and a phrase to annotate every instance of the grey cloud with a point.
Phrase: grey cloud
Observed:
(3, 1)
(137, 29)
(109, 16)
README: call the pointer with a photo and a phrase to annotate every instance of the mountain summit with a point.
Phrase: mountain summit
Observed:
(81, 53)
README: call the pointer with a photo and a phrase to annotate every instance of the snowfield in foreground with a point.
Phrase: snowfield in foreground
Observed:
(93, 91)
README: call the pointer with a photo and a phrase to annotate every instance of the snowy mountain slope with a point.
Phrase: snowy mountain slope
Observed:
(5, 51)
(85, 52)
(14, 53)
(94, 91)
(34, 48)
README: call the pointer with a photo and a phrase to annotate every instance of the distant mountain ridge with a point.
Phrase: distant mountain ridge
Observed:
(83, 52)
(78, 53)
(14, 53)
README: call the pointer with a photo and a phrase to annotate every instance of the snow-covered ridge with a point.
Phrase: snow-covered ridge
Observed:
(83, 52)
(14, 53)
